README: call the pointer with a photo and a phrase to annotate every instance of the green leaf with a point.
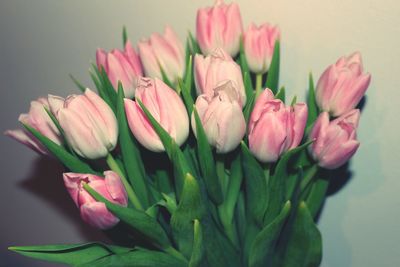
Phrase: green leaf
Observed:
(242, 58)
(248, 84)
(281, 94)
(138, 258)
(98, 81)
(77, 83)
(249, 106)
(304, 247)
(109, 88)
(166, 79)
(272, 81)
(207, 163)
(138, 220)
(197, 257)
(311, 103)
(294, 101)
(130, 153)
(263, 247)
(194, 45)
(190, 207)
(70, 254)
(72, 163)
(256, 186)
(316, 197)
(187, 97)
(124, 36)
(277, 183)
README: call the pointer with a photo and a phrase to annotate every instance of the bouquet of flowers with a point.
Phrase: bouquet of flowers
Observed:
(194, 154)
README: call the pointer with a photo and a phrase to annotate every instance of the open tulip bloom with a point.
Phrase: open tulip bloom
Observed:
(192, 163)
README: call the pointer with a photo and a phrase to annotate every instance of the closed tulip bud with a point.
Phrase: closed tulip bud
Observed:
(165, 106)
(219, 26)
(342, 85)
(216, 69)
(89, 124)
(124, 66)
(335, 141)
(93, 212)
(163, 52)
(275, 128)
(259, 43)
(221, 117)
(38, 119)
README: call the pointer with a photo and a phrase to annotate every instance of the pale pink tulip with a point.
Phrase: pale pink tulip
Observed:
(89, 124)
(259, 43)
(93, 212)
(215, 70)
(219, 26)
(221, 117)
(335, 141)
(163, 52)
(38, 119)
(275, 128)
(166, 107)
(342, 85)
(123, 66)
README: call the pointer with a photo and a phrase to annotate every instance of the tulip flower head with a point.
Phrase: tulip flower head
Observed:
(342, 85)
(166, 107)
(221, 117)
(258, 44)
(216, 69)
(124, 66)
(219, 26)
(89, 124)
(38, 119)
(163, 52)
(335, 141)
(93, 212)
(275, 128)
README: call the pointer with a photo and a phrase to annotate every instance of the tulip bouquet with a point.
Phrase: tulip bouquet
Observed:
(194, 155)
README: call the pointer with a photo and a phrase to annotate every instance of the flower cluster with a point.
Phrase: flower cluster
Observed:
(165, 99)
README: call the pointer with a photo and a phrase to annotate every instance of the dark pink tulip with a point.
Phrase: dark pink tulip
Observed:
(93, 212)
(342, 85)
(166, 107)
(38, 119)
(121, 66)
(335, 141)
(219, 26)
(258, 44)
(275, 128)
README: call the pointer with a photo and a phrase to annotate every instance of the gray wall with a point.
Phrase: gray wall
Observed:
(42, 41)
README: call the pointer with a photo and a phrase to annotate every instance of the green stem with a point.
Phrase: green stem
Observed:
(173, 252)
(308, 177)
(258, 84)
(131, 194)
(220, 166)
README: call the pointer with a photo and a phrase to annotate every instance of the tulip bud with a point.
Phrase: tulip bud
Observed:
(124, 66)
(38, 119)
(163, 52)
(219, 26)
(275, 128)
(259, 43)
(89, 124)
(221, 117)
(165, 106)
(335, 141)
(342, 85)
(93, 212)
(216, 69)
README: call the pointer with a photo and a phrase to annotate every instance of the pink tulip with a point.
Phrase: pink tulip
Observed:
(219, 26)
(259, 43)
(215, 70)
(89, 124)
(121, 66)
(93, 212)
(335, 141)
(163, 52)
(342, 85)
(38, 119)
(166, 107)
(275, 128)
(221, 117)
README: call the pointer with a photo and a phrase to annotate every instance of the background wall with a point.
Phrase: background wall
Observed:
(42, 41)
